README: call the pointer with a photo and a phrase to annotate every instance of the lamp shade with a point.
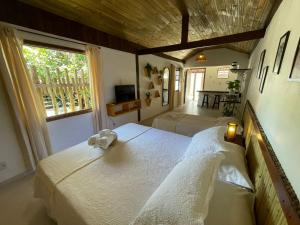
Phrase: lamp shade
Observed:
(231, 131)
(201, 58)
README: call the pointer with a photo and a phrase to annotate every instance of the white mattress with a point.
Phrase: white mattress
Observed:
(86, 186)
(186, 124)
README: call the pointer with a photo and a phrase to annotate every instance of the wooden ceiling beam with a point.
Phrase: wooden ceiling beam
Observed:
(185, 28)
(245, 36)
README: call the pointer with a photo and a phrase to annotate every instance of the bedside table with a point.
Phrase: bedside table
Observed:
(239, 140)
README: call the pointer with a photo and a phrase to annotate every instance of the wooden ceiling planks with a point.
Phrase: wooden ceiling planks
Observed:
(158, 23)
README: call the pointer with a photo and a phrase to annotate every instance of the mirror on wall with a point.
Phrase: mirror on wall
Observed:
(165, 86)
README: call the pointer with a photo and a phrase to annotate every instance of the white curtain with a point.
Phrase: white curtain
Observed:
(100, 118)
(28, 110)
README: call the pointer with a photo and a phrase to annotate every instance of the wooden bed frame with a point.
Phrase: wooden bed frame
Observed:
(276, 202)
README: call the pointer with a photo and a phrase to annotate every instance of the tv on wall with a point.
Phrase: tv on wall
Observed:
(124, 93)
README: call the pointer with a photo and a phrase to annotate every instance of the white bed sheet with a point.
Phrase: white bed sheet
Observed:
(84, 186)
(187, 124)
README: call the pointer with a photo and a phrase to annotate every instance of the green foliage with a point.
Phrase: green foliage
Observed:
(42, 58)
(148, 68)
(234, 85)
(229, 109)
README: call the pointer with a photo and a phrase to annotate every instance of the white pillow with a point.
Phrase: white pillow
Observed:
(230, 205)
(233, 169)
(183, 197)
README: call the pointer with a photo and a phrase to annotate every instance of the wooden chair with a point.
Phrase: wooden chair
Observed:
(205, 100)
(217, 101)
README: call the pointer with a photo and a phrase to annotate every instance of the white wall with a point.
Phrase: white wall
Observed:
(10, 151)
(70, 131)
(118, 68)
(156, 105)
(220, 56)
(213, 83)
(278, 108)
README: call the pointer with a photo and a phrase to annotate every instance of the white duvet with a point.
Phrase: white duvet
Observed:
(86, 186)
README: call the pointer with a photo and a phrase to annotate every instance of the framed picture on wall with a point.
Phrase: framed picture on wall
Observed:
(223, 73)
(261, 63)
(295, 73)
(280, 52)
(263, 79)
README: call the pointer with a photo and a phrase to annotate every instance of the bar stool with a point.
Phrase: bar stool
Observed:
(217, 101)
(205, 100)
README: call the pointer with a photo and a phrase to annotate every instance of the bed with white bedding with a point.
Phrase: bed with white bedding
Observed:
(187, 124)
(87, 186)
(83, 185)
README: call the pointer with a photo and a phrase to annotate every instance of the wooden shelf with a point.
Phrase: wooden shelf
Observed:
(239, 70)
(117, 109)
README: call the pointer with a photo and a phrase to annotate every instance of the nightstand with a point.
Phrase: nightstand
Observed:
(239, 140)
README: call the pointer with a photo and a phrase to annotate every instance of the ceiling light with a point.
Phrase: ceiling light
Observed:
(201, 58)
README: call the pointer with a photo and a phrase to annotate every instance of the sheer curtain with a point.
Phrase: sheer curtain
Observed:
(100, 118)
(28, 110)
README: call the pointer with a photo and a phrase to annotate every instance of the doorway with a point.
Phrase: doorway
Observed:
(194, 83)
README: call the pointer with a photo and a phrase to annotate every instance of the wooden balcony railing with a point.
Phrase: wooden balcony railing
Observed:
(64, 92)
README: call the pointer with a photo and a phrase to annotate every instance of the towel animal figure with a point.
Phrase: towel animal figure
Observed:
(103, 139)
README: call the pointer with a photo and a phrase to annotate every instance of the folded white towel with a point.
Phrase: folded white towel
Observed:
(103, 139)
(92, 139)
(104, 132)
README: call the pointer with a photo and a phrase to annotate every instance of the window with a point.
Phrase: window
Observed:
(61, 79)
(177, 79)
(223, 72)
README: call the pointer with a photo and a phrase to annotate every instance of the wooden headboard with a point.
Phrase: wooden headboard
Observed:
(276, 202)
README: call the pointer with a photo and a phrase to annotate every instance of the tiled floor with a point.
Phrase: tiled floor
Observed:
(19, 207)
(190, 107)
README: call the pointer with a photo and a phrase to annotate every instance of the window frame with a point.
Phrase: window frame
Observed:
(65, 49)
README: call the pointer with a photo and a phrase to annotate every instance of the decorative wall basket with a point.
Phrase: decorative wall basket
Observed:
(158, 80)
(156, 94)
(155, 70)
(151, 85)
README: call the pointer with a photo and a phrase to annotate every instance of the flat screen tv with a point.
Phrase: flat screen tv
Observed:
(124, 93)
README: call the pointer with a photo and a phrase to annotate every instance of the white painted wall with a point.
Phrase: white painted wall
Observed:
(70, 131)
(10, 151)
(213, 83)
(156, 105)
(220, 56)
(118, 68)
(278, 108)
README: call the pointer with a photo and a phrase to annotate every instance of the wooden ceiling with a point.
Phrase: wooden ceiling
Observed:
(154, 23)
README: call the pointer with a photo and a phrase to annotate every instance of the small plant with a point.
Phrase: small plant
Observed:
(148, 94)
(148, 69)
(229, 109)
(234, 86)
